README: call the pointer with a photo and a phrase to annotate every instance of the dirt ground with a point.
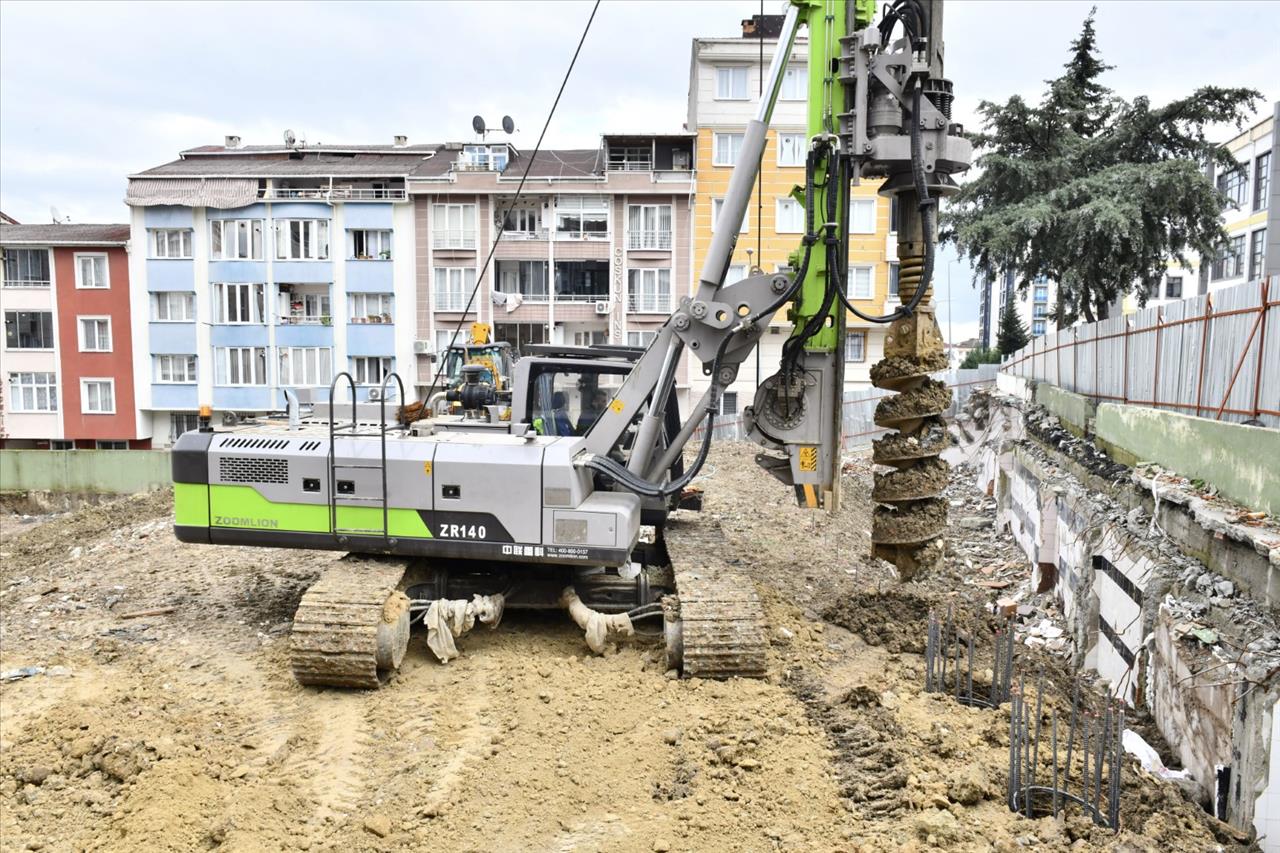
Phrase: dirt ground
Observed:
(186, 731)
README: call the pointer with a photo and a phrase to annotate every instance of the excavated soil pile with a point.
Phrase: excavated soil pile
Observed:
(182, 728)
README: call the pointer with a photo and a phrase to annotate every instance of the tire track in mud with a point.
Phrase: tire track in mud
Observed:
(334, 768)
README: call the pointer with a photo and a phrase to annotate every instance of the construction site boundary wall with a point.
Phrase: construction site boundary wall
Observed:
(1215, 356)
(98, 472)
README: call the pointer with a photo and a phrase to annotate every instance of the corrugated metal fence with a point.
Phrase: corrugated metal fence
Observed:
(1216, 356)
(859, 428)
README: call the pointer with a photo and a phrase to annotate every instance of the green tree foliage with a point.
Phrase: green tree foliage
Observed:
(1013, 332)
(980, 355)
(1093, 191)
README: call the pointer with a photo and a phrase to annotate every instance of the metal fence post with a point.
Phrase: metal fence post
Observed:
(1262, 343)
(1207, 329)
(1155, 380)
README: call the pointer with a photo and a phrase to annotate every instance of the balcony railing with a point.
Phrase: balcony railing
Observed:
(26, 282)
(451, 301)
(625, 165)
(593, 236)
(536, 234)
(582, 297)
(306, 320)
(454, 238)
(333, 194)
(649, 303)
(649, 240)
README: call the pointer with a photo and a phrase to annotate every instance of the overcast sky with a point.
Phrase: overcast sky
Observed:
(123, 87)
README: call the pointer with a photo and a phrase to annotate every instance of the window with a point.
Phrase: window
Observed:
(28, 329)
(238, 303)
(790, 217)
(641, 338)
(737, 272)
(893, 279)
(717, 204)
(1042, 293)
(791, 149)
(527, 278)
(170, 242)
(95, 334)
(1173, 287)
(91, 272)
(370, 369)
(483, 158)
(302, 239)
(630, 158)
(173, 307)
(650, 291)
(1037, 327)
(305, 304)
(1233, 184)
(453, 287)
(893, 215)
(725, 148)
(33, 392)
(369, 244)
(175, 368)
(1230, 263)
(235, 240)
(855, 346)
(590, 339)
(731, 83)
(26, 268)
(1257, 253)
(1040, 310)
(453, 226)
(649, 226)
(180, 423)
(445, 338)
(793, 80)
(61, 444)
(521, 222)
(98, 396)
(582, 217)
(862, 216)
(240, 365)
(111, 444)
(729, 403)
(1261, 180)
(372, 307)
(860, 282)
(306, 366)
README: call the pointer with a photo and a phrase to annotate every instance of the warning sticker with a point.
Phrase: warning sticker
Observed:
(808, 459)
(617, 406)
(426, 468)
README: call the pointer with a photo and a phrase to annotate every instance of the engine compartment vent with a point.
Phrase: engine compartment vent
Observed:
(243, 469)
(249, 443)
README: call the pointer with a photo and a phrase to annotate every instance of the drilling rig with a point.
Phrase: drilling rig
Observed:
(452, 518)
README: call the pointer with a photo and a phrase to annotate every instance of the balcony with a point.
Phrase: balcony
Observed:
(658, 240)
(649, 303)
(453, 238)
(25, 282)
(535, 234)
(587, 236)
(332, 194)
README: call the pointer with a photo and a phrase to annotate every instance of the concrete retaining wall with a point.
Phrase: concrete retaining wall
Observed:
(1242, 461)
(84, 471)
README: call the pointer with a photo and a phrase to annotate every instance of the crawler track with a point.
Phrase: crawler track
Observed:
(352, 625)
(722, 625)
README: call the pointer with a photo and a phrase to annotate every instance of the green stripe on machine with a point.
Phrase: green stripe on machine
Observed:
(244, 507)
(191, 504)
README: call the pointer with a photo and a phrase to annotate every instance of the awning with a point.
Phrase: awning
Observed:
(192, 192)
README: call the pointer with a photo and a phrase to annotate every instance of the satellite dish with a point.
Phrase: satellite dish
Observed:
(508, 124)
(289, 139)
(477, 124)
(53, 213)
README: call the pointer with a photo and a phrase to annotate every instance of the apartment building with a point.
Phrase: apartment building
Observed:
(263, 267)
(725, 80)
(1251, 220)
(67, 380)
(597, 249)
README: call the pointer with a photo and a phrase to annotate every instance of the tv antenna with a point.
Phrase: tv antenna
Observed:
(482, 130)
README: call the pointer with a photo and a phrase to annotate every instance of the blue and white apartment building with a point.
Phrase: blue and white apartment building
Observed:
(257, 268)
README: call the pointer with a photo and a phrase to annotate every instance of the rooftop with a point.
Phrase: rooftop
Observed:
(64, 234)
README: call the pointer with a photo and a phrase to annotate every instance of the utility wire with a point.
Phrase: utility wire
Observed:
(502, 226)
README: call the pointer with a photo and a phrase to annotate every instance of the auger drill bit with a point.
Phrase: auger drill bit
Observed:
(910, 515)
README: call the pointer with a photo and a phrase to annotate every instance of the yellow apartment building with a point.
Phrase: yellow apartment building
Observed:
(724, 81)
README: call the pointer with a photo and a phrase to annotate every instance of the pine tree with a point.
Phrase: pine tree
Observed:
(1090, 190)
(1012, 335)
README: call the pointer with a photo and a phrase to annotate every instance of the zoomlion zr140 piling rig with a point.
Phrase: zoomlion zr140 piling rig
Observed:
(451, 518)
